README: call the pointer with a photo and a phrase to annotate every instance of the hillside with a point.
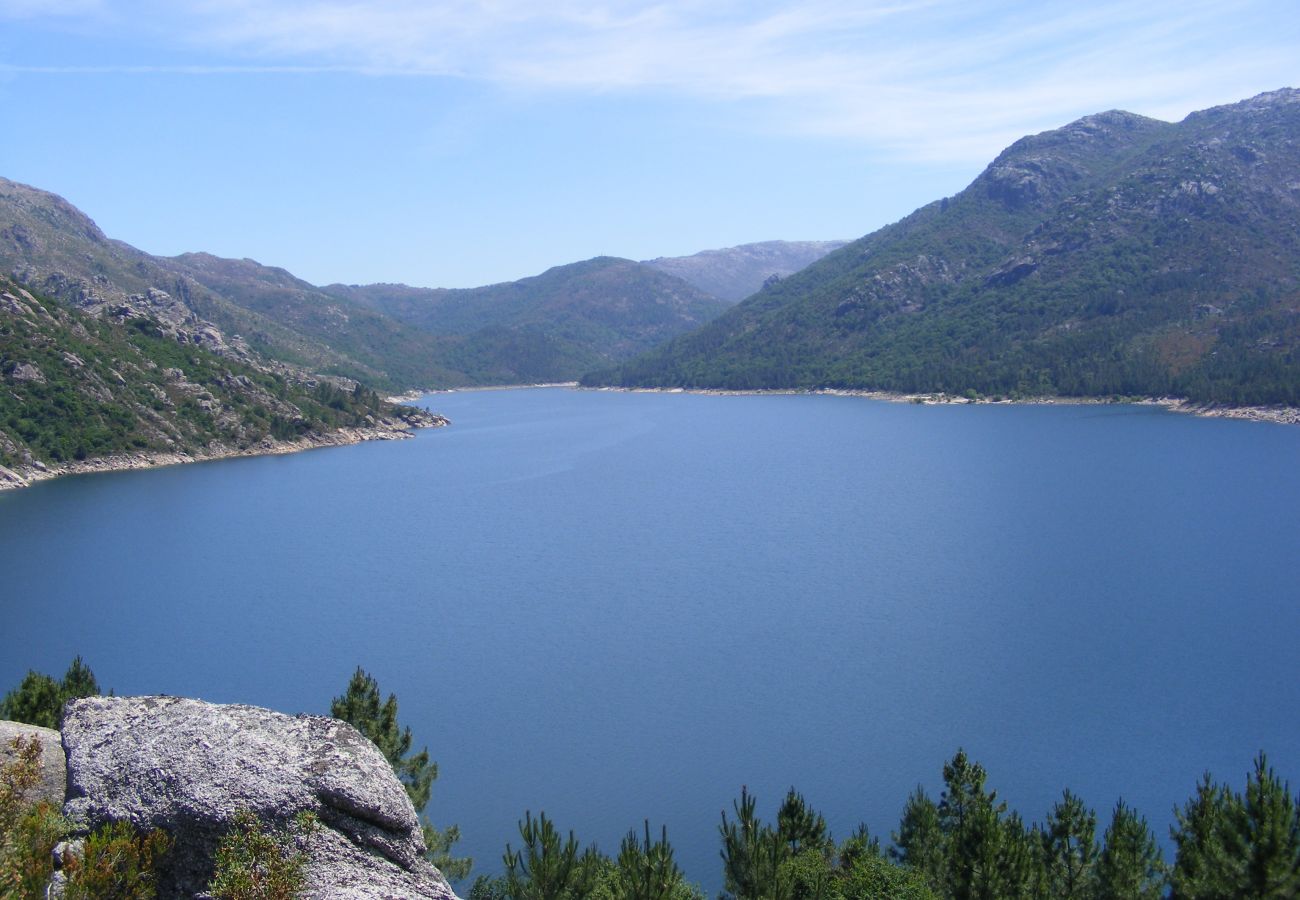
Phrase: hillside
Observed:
(52, 248)
(1118, 255)
(77, 388)
(734, 273)
(551, 327)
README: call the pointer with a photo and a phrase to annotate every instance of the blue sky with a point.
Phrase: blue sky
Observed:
(471, 141)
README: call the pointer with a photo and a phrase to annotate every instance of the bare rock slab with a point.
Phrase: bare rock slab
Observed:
(53, 770)
(189, 767)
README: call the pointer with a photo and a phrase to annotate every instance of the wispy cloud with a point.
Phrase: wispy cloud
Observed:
(934, 78)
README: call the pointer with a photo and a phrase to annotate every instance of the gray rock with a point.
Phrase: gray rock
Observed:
(54, 771)
(189, 767)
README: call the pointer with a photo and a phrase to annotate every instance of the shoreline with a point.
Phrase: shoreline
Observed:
(1278, 415)
(383, 430)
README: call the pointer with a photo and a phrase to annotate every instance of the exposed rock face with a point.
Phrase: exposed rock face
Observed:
(54, 771)
(189, 767)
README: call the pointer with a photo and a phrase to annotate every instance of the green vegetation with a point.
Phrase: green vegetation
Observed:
(1117, 256)
(39, 699)
(113, 862)
(552, 327)
(28, 830)
(257, 863)
(75, 387)
(361, 707)
(547, 867)
(966, 846)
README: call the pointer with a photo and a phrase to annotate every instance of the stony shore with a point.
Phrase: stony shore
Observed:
(382, 430)
(1281, 415)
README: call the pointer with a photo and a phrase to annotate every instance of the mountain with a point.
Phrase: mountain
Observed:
(551, 327)
(736, 272)
(76, 388)
(1118, 255)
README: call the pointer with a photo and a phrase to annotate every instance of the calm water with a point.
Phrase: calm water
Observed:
(617, 606)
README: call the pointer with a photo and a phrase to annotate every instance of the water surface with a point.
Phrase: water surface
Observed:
(614, 606)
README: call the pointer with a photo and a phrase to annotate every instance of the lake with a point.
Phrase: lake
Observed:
(617, 606)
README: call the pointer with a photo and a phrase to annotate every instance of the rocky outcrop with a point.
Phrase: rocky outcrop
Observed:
(190, 767)
(53, 769)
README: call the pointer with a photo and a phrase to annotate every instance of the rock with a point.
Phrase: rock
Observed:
(27, 372)
(189, 767)
(54, 771)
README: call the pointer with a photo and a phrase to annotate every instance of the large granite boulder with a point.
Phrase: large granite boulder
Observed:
(53, 770)
(189, 767)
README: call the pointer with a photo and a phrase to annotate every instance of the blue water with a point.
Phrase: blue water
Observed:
(615, 606)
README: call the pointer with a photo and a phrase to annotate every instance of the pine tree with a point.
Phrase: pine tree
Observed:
(361, 707)
(1129, 867)
(919, 841)
(801, 827)
(1070, 848)
(752, 854)
(1235, 845)
(545, 867)
(39, 699)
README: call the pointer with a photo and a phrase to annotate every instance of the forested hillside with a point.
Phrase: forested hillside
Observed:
(75, 387)
(1118, 255)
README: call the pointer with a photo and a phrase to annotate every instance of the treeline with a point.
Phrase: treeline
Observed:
(965, 846)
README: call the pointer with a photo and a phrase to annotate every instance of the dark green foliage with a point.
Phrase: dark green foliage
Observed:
(1129, 867)
(254, 862)
(800, 827)
(1117, 256)
(1239, 845)
(39, 699)
(919, 842)
(116, 862)
(645, 870)
(753, 854)
(1070, 848)
(361, 707)
(547, 867)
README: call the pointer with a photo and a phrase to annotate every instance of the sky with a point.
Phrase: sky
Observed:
(454, 143)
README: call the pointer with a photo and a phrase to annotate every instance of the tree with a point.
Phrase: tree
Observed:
(39, 699)
(546, 868)
(801, 827)
(1239, 845)
(1129, 867)
(752, 854)
(919, 841)
(1070, 847)
(646, 870)
(361, 707)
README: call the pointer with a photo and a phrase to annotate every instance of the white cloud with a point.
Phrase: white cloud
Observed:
(933, 78)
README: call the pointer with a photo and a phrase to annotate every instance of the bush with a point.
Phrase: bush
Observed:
(115, 862)
(254, 863)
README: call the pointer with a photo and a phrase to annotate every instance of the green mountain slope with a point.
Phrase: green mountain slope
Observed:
(1116, 255)
(554, 326)
(76, 387)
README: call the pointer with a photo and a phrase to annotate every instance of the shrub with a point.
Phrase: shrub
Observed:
(257, 863)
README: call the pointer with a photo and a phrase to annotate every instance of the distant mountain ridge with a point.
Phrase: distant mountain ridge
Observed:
(1118, 255)
(551, 327)
(734, 273)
